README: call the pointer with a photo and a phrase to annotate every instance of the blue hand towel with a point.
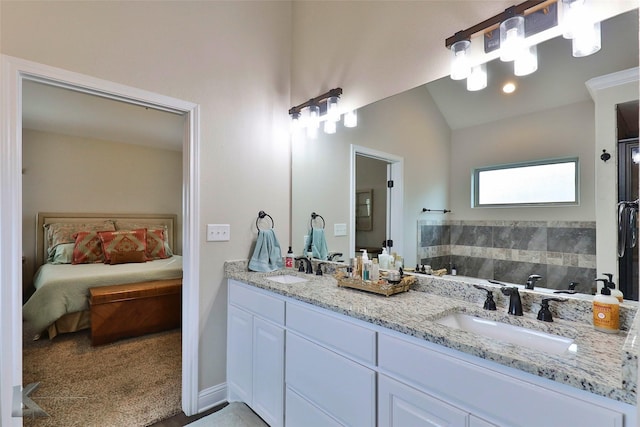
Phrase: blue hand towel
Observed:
(267, 255)
(318, 243)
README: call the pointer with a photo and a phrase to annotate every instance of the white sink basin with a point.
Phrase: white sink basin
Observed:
(516, 335)
(287, 278)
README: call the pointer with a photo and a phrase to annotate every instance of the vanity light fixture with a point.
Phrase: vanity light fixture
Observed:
(514, 25)
(322, 108)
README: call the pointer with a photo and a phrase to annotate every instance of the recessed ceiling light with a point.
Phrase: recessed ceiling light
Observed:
(509, 88)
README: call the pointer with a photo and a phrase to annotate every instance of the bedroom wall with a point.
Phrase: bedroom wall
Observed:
(231, 58)
(69, 174)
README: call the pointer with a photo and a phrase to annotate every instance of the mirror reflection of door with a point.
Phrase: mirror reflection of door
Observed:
(628, 181)
(371, 204)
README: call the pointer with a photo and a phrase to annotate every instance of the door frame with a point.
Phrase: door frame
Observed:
(395, 202)
(13, 71)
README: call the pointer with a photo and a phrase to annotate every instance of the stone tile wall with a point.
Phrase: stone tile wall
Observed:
(559, 251)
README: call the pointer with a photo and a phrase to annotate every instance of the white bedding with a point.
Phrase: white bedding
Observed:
(64, 288)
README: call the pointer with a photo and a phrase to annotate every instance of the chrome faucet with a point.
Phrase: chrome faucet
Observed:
(531, 281)
(308, 268)
(515, 303)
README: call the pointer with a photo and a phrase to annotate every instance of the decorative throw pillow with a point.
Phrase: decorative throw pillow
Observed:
(87, 248)
(151, 229)
(63, 254)
(62, 232)
(156, 248)
(120, 257)
(123, 241)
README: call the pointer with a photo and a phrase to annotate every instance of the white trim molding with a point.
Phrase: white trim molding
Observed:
(13, 71)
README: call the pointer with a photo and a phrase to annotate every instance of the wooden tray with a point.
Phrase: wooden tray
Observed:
(382, 287)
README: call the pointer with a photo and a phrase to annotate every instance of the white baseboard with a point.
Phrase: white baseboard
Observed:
(212, 396)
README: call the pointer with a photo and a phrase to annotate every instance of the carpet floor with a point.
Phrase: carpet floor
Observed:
(133, 382)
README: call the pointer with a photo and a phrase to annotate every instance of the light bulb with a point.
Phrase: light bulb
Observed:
(351, 119)
(511, 38)
(477, 80)
(329, 126)
(586, 39)
(526, 62)
(460, 65)
(333, 112)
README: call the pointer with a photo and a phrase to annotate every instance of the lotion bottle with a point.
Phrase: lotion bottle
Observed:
(606, 311)
(366, 265)
(383, 259)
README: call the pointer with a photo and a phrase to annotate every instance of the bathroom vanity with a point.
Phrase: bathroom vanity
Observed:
(302, 351)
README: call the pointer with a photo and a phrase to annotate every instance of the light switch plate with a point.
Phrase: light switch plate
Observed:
(218, 232)
(339, 229)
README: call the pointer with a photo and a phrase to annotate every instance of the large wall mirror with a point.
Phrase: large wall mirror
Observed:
(442, 132)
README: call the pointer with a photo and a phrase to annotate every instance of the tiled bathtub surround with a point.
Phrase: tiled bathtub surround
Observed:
(509, 251)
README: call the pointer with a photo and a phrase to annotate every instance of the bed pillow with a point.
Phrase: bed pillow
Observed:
(62, 232)
(63, 254)
(87, 248)
(123, 241)
(125, 257)
(153, 234)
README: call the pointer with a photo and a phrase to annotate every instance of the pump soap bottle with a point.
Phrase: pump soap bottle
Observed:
(288, 261)
(606, 310)
(614, 291)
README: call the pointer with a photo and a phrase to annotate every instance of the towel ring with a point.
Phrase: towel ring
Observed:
(313, 217)
(261, 215)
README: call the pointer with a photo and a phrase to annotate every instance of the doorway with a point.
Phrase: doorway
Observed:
(628, 173)
(376, 201)
(14, 73)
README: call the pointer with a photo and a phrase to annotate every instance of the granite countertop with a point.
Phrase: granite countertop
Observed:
(603, 364)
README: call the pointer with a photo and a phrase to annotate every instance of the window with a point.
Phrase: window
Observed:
(545, 182)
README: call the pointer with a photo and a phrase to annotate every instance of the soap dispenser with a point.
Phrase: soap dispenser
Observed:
(612, 286)
(606, 310)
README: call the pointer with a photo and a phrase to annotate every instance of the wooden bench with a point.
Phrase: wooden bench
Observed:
(131, 310)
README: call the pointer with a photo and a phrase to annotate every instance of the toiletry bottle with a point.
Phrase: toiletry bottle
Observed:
(288, 261)
(606, 311)
(374, 274)
(365, 265)
(612, 286)
(454, 270)
(383, 259)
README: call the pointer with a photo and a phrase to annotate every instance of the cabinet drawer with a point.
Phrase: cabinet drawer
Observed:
(481, 390)
(337, 385)
(345, 337)
(256, 302)
(301, 412)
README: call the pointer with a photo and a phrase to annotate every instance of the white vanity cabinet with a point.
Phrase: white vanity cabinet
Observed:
(338, 371)
(255, 349)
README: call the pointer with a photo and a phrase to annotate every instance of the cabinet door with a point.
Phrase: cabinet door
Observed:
(400, 405)
(239, 354)
(268, 371)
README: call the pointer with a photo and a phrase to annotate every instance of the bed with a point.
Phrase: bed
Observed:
(76, 253)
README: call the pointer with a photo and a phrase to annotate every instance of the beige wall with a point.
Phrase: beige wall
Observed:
(63, 173)
(567, 131)
(231, 58)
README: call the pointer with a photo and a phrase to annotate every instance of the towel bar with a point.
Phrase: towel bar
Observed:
(313, 217)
